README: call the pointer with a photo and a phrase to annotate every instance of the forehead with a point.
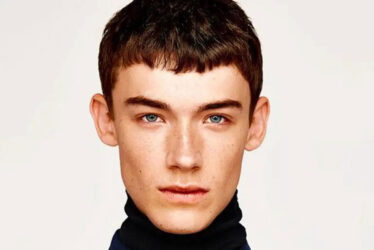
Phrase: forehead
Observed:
(182, 90)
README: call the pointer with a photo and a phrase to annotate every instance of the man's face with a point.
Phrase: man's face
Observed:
(186, 143)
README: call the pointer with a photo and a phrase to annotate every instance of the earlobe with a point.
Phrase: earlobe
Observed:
(257, 130)
(103, 122)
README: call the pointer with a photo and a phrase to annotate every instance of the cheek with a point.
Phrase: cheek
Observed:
(224, 156)
(140, 157)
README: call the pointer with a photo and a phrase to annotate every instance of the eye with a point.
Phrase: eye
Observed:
(150, 118)
(217, 119)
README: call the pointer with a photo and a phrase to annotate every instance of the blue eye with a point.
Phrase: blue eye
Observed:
(151, 117)
(216, 118)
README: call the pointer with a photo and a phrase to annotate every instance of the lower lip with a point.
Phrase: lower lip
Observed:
(189, 197)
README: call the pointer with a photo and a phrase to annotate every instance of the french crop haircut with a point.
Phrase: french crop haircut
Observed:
(181, 36)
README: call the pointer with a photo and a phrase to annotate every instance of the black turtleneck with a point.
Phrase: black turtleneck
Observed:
(224, 233)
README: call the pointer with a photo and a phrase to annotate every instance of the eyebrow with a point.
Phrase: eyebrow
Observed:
(142, 100)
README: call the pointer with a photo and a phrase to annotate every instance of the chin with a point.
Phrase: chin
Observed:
(182, 221)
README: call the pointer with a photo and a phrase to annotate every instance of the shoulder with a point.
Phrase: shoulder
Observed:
(245, 246)
(116, 243)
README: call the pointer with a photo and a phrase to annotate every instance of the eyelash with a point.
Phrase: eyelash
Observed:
(224, 118)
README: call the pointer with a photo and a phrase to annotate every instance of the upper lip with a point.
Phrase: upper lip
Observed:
(189, 188)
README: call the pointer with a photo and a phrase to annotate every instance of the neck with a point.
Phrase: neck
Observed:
(225, 232)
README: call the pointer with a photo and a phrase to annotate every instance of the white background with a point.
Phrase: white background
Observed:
(309, 186)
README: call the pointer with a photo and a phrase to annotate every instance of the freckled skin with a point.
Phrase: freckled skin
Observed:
(180, 147)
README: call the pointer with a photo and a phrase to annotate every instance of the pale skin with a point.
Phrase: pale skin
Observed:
(180, 144)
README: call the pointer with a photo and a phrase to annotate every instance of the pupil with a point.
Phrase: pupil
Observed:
(216, 118)
(151, 118)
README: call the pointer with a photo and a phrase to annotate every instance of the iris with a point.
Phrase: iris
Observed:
(213, 118)
(216, 118)
(151, 117)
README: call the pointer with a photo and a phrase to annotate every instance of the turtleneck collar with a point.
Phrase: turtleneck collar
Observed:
(225, 232)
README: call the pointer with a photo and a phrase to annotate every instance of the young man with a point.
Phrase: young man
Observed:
(181, 81)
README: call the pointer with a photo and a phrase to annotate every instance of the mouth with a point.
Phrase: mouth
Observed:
(184, 195)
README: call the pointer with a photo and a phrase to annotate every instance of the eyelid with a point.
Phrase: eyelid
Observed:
(225, 118)
(143, 115)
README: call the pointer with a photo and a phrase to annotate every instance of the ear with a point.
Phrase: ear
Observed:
(103, 122)
(257, 129)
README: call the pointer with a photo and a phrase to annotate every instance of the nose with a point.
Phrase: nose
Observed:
(184, 148)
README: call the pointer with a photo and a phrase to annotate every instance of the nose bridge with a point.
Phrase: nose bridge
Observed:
(184, 146)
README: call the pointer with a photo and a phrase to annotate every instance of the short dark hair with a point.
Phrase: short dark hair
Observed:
(181, 36)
